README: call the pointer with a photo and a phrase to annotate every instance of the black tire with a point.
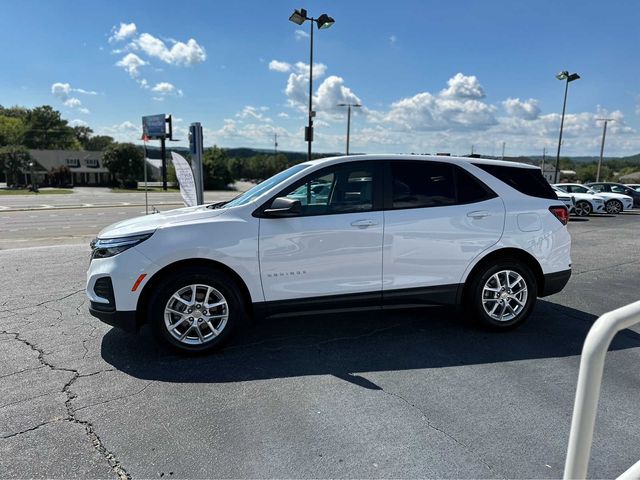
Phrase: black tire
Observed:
(613, 206)
(583, 208)
(205, 277)
(475, 299)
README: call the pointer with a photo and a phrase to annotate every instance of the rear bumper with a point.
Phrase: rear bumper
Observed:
(555, 282)
(126, 320)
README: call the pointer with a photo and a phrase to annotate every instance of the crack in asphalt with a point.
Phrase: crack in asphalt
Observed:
(423, 416)
(12, 310)
(608, 267)
(94, 438)
(116, 398)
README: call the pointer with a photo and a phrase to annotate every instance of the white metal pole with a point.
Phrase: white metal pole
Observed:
(589, 381)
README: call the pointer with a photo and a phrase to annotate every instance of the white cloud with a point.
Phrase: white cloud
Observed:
(527, 110)
(131, 63)
(73, 102)
(62, 91)
(393, 39)
(463, 86)
(278, 66)
(76, 122)
(331, 92)
(164, 88)
(254, 113)
(298, 83)
(180, 53)
(456, 107)
(283, 115)
(301, 34)
(123, 32)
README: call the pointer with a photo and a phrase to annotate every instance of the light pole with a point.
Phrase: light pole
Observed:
(604, 134)
(323, 21)
(569, 77)
(349, 105)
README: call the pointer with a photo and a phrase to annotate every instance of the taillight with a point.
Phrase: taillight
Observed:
(561, 213)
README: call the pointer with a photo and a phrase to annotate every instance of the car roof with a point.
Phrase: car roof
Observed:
(439, 158)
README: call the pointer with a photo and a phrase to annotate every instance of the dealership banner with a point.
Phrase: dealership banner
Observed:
(184, 174)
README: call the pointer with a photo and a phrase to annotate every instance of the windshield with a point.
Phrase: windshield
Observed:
(254, 192)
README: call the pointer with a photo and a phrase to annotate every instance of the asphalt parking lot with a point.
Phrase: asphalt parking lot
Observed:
(398, 394)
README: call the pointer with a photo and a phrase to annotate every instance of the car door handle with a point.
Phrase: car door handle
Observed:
(478, 214)
(364, 223)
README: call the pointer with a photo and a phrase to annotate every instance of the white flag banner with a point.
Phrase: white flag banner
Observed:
(184, 174)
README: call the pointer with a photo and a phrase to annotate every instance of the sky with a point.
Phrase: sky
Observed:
(431, 76)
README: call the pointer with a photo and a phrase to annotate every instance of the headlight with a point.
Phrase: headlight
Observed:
(108, 247)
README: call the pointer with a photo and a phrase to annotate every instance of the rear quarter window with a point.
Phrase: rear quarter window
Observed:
(528, 181)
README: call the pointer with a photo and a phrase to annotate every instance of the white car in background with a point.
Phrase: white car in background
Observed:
(586, 203)
(613, 202)
(565, 198)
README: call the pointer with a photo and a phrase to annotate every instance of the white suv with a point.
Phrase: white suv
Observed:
(342, 233)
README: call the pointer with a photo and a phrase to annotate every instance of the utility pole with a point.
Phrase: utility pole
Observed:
(275, 145)
(604, 134)
(503, 145)
(544, 157)
(349, 105)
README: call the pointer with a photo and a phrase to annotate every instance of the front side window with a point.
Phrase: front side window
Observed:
(597, 188)
(340, 189)
(618, 189)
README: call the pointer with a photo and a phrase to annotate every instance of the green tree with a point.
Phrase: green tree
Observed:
(98, 143)
(215, 170)
(13, 159)
(588, 172)
(47, 130)
(12, 130)
(82, 134)
(125, 163)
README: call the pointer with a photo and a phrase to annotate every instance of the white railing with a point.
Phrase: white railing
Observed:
(588, 391)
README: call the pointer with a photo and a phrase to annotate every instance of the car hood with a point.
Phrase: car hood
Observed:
(150, 223)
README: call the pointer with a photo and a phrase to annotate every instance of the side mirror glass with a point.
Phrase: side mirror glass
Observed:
(283, 207)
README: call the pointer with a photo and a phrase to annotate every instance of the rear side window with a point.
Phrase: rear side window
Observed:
(526, 180)
(434, 184)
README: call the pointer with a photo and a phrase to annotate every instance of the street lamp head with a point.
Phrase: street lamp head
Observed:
(298, 16)
(569, 77)
(325, 21)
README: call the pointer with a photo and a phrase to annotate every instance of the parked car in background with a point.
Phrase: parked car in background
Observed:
(611, 187)
(635, 186)
(565, 198)
(585, 203)
(613, 202)
(486, 235)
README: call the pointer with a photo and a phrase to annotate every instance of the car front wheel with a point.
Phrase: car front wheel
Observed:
(502, 295)
(613, 206)
(195, 310)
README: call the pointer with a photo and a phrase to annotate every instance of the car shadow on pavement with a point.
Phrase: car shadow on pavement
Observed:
(344, 344)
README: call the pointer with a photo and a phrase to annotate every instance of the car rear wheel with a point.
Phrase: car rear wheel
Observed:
(613, 206)
(196, 310)
(502, 294)
(583, 208)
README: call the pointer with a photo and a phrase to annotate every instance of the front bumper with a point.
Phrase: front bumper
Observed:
(554, 282)
(126, 320)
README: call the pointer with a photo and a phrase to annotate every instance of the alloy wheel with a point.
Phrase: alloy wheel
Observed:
(504, 295)
(196, 314)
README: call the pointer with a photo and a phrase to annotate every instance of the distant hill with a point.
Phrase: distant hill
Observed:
(246, 152)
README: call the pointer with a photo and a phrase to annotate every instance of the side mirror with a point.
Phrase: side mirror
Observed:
(283, 207)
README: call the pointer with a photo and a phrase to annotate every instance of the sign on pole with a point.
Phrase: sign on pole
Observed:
(154, 126)
(184, 174)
